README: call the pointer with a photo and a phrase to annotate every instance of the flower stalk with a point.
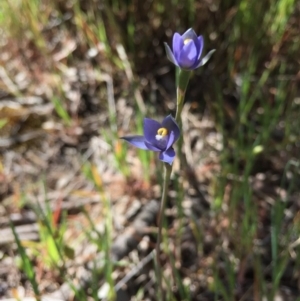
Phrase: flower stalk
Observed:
(182, 83)
(160, 222)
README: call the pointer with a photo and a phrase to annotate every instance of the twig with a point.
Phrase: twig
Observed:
(134, 271)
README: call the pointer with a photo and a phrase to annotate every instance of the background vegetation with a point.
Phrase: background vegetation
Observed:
(78, 207)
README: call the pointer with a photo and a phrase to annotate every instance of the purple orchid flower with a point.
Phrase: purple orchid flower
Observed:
(158, 137)
(187, 50)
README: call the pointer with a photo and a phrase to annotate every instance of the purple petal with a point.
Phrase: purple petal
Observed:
(189, 34)
(188, 55)
(201, 43)
(167, 156)
(170, 124)
(170, 55)
(205, 59)
(171, 140)
(150, 130)
(137, 141)
(152, 147)
(177, 45)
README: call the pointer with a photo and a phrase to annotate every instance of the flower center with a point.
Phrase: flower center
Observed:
(186, 41)
(161, 133)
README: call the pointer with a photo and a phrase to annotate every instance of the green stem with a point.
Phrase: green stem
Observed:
(183, 78)
(167, 175)
(179, 105)
(181, 82)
